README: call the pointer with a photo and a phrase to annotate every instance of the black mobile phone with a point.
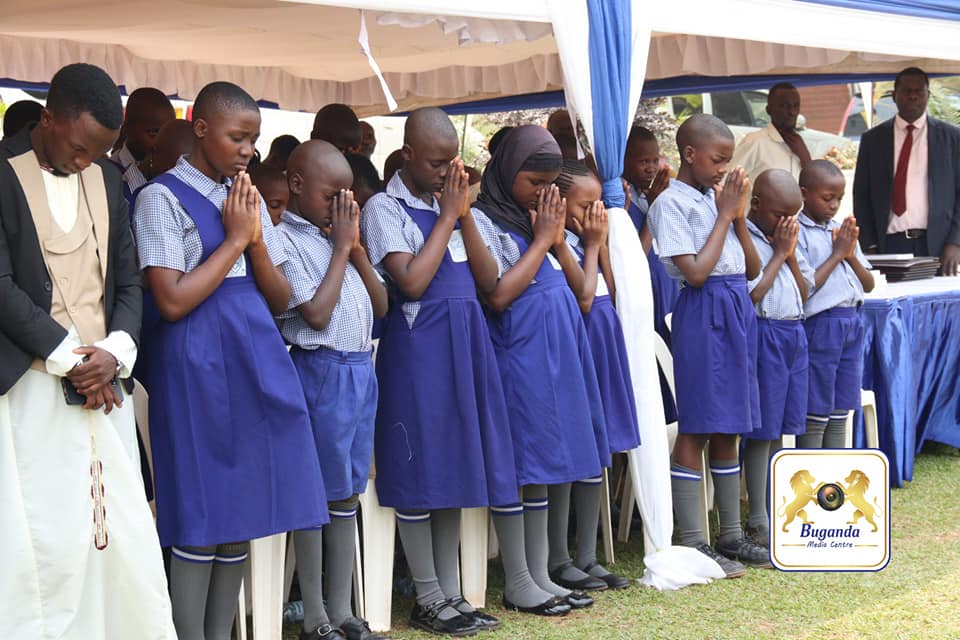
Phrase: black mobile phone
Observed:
(74, 397)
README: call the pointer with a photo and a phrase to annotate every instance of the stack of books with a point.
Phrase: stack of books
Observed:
(901, 267)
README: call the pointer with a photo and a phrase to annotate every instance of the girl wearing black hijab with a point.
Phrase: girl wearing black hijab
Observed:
(553, 400)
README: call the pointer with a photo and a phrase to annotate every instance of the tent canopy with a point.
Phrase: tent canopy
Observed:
(304, 54)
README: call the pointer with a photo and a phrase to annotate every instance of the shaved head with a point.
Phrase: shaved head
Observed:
(819, 171)
(778, 185)
(319, 158)
(429, 123)
(701, 129)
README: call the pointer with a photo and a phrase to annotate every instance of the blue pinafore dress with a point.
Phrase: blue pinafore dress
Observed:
(442, 434)
(232, 446)
(609, 350)
(556, 415)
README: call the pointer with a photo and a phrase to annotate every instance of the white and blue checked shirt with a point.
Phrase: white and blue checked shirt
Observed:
(579, 249)
(166, 234)
(308, 257)
(504, 248)
(387, 228)
(842, 287)
(681, 219)
(782, 301)
(129, 168)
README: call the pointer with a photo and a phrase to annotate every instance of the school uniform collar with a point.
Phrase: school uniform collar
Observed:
(124, 158)
(756, 231)
(573, 240)
(691, 192)
(199, 180)
(807, 221)
(301, 224)
(398, 189)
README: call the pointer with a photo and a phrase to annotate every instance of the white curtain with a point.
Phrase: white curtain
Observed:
(667, 567)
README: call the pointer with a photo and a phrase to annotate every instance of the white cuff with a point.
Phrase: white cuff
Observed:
(121, 346)
(63, 359)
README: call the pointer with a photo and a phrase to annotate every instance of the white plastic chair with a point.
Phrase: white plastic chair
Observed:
(474, 543)
(665, 359)
(868, 404)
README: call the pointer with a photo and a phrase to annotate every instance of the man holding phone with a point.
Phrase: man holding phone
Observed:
(78, 547)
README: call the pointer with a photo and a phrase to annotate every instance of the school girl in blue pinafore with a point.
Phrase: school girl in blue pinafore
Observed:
(556, 415)
(420, 366)
(586, 216)
(229, 427)
(232, 446)
(442, 440)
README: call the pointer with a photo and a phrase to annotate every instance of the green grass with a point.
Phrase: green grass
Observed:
(916, 596)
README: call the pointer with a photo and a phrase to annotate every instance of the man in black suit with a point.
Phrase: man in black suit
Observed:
(906, 191)
(70, 309)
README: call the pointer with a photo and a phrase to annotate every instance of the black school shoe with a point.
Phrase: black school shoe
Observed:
(612, 580)
(483, 621)
(357, 629)
(589, 583)
(323, 632)
(555, 606)
(746, 552)
(579, 600)
(426, 619)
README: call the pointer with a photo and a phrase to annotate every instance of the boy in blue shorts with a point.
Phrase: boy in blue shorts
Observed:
(334, 295)
(778, 296)
(833, 325)
(704, 242)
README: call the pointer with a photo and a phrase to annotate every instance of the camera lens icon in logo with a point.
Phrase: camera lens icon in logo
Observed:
(830, 496)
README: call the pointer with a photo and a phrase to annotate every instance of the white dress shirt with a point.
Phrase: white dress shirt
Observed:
(915, 217)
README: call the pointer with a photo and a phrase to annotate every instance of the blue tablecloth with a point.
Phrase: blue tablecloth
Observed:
(912, 363)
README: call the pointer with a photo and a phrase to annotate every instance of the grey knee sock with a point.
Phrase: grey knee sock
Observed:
(446, 553)
(190, 570)
(519, 587)
(726, 491)
(417, 538)
(308, 544)
(558, 524)
(341, 541)
(586, 504)
(685, 485)
(756, 464)
(535, 537)
(813, 437)
(834, 436)
(224, 589)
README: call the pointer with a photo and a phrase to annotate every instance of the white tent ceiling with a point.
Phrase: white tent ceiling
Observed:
(305, 54)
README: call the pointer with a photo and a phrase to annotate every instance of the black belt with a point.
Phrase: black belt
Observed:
(910, 234)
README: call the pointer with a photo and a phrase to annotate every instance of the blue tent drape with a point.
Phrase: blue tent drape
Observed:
(610, 47)
(941, 9)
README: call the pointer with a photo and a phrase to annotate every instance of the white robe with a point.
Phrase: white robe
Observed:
(54, 583)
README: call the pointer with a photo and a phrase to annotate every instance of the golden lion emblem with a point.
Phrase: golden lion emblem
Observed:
(804, 493)
(857, 484)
